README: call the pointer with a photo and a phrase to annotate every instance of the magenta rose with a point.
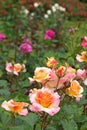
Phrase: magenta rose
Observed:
(2, 37)
(26, 46)
(49, 34)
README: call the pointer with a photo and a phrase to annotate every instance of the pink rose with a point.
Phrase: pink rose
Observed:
(44, 100)
(2, 37)
(49, 34)
(26, 46)
(15, 107)
(84, 42)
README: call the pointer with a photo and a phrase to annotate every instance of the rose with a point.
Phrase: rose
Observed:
(75, 90)
(41, 74)
(49, 34)
(25, 48)
(15, 107)
(2, 37)
(44, 100)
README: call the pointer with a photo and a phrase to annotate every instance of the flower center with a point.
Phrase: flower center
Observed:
(16, 107)
(45, 99)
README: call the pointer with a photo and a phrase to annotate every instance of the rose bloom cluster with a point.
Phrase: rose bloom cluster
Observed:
(15, 68)
(51, 79)
(61, 77)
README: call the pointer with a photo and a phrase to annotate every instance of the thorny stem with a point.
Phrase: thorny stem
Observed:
(44, 123)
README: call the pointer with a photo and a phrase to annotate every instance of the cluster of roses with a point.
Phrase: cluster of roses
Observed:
(51, 79)
(15, 68)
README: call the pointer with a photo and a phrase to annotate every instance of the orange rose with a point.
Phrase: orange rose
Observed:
(41, 74)
(15, 107)
(75, 89)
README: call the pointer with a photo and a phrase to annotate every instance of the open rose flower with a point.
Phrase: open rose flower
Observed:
(84, 42)
(17, 68)
(2, 37)
(49, 34)
(26, 46)
(44, 100)
(41, 74)
(82, 57)
(75, 90)
(51, 62)
(15, 107)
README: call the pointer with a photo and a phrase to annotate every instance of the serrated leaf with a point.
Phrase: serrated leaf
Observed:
(4, 92)
(3, 83)
(69, 124)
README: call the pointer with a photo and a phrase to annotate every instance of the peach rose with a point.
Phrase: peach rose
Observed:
(15, 107)
(44, 100)
(41, 75)
(75, 90)
(17, 68)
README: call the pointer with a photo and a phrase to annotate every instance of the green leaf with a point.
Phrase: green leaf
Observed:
(5, 117)
(71, 61)
(31, 119)
(1, 72)
(69, 124)
(5, 91)
(3, 83)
